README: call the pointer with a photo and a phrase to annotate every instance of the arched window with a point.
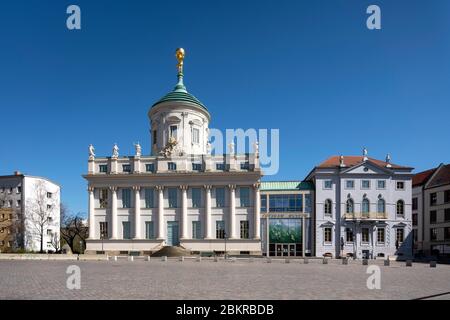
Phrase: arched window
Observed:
(381, 206)
(365, 205)
(350, 207)
(327, 207)
(400, 208)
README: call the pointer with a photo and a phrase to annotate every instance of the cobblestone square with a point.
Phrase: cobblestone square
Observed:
(207, 279)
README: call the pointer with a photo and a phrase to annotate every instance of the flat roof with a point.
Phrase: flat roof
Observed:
(286, 185)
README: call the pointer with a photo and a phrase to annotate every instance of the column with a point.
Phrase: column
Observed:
(208, 234)
(184, 222)
(232, 225)
(113, 212)
(91, 213)
(137, 212)
(257, 214)
(303, 235)
(160, 212)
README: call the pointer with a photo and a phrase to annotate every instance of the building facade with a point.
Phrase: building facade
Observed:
(29, 211)
(362, 207)
(431, 211)
(287, 218)
(180, 194)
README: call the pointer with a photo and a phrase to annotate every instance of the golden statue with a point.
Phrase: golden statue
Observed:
(180, 57)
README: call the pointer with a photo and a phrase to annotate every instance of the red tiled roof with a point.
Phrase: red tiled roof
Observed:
(350, 161)
(422, 177)
(442, 177)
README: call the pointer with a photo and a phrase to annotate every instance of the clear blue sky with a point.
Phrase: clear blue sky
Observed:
(310, 68)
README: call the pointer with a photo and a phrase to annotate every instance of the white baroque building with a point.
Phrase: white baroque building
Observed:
(363, 207)
(180, 194)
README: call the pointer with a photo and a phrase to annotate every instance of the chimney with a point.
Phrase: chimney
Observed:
(17, 173)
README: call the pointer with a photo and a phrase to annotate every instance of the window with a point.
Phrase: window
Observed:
(400, 185)
(220, 229)
(400, 208)
(18, 204)
(415, 235)
(149, 231)
(400, 235)
(446, 233)
(380, 235)
(19, 189)
(446, 196)
(103, 168)
(50, 219)
(196, 197)
(49, 195)
(433, 199)
(381, 184)
(103, 230)
(307, 203)
(414, 219)
(244, 196)
(285, 203)
(154, 136)
(103, 198)
(126, 233)
(10, 204)
(327, 235)
(415, 204)
(263, 203)
(172, 166)
(433, 234)
(350, 206)
(350, 184)
(126, 168)
(447, 215)
(220, 166)
(173, 132)
(365, 235)
(197, 167)
(196, 230)
(433, 216)
(365, 184)
(244, 229)
(327, 208)
(327, 184)
(195, 135)
(245, 166)
(365, 208)
(381, 206)
(349, 235)
(49, 206)
(10, 190)
(126, 198)
(148, 194)
(150, 167)
(173, 197)
(220, 197)
(49, 232)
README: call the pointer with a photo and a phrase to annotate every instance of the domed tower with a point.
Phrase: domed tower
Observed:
(179, 121)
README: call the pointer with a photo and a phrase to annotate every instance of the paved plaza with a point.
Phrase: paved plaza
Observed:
(242, 279)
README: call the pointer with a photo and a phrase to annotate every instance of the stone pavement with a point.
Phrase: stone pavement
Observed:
(207, 279)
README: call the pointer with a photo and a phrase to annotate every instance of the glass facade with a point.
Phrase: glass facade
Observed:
(285, 203)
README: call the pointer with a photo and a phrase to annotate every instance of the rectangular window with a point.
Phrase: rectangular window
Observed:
(365, 184)
(244, 196)
(195, 135)
(172, 166)
(349, 235)
(263, 203)
(327, 235)
(103, 198)
(415, 204)
(350, 184)
(10, 190)
(173, 197)
(380, 235)
(18, 203)
(433, 234)
(49, 195)
(196, 197)
(381, 184)
(150, 167)
(400, 234)
(49, 232)
(433, 199)
(196, 230)
(154, 136)
(447, 233)
(433, 216)
(173, 132)
(365, 235)
(126, 232)
(103, 168)
(308, 203)
(149, 196)
(327, 184)
(220, 166)
(244, 229)
(447, 215)
(49, 206)
(285, 203)
(220, 229)
(196, 167)
(103, 230)
(126, 198)
(149, 231)
(126, 168)
(400, 185)
(19, 189)
(245, 166)
(446, 196)
(414, 219)
(220, 197)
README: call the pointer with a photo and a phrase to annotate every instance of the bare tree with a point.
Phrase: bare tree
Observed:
(72, 228)
(56, 241)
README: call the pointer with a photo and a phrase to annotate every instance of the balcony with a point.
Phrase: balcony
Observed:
(365, 216)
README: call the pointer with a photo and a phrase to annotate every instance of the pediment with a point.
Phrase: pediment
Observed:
(367, 167)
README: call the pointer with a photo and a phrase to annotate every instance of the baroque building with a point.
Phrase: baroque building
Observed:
(179, 194)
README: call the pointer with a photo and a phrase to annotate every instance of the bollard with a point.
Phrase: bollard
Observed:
(268, 260)
(432, 264)
(287, 260)
(147, 258)
(387, 263)
(199, 259)
(409, 263)
(115, 258)
(131, 258)
(324, 261)
(164, 258)
(365, 262)
(181, 259)
(305, 261)
(345, 261)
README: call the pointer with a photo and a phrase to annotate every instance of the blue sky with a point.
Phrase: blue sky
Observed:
(310, 68)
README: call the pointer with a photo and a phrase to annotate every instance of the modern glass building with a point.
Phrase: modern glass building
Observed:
(286, 215)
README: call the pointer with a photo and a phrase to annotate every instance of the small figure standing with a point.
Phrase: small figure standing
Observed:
(231, 147)
(256, 146)
(91, 152)
(208, 148)
(115, 153)
(138, 149)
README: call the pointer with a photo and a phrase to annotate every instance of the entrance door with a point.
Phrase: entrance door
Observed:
(172, 233)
